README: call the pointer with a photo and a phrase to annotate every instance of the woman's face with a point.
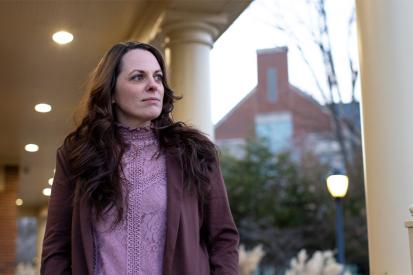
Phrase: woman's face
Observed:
(139, 90)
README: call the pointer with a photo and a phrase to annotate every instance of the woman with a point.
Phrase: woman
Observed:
(135, 192)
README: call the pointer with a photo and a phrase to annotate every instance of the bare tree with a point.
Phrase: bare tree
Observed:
(317, 31)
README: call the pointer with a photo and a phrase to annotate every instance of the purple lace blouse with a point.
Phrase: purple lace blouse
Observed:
(136, 245)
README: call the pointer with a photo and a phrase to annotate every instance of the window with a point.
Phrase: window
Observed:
(272, 84)
(276, 129)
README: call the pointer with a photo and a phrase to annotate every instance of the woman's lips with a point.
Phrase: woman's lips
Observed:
(151, 99)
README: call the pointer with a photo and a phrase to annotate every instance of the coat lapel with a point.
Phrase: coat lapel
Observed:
(174, 197)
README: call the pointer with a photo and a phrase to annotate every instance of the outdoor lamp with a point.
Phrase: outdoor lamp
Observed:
(337, 185)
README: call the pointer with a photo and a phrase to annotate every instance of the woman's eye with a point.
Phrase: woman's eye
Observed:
(137, 77)
(158, 77)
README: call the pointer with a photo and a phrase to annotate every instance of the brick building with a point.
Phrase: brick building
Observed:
(287, 118)
(9, 176)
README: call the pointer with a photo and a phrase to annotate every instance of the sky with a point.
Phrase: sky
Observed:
(233, 57)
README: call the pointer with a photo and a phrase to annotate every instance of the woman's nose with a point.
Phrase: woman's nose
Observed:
(152, 84)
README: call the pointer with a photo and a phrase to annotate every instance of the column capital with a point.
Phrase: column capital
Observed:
(182, 28)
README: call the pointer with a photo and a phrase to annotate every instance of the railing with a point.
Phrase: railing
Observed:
(409, 225)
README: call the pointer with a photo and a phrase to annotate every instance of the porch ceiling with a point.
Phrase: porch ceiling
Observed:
(34, 69)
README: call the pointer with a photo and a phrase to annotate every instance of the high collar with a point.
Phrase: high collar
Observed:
(141, 135)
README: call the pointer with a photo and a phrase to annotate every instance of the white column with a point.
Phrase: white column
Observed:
(188, 46)
(386, 64)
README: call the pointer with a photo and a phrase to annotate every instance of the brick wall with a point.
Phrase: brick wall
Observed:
(308, 116)
(8, 216)
(240, 122)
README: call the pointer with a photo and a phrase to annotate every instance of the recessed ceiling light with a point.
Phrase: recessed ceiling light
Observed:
(62, 37)
(31, 147)
(50, 181)
(47, 191)
(19, 202)
(43, 108)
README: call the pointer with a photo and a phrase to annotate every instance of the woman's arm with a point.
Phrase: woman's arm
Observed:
(223, 238)
(56, 254)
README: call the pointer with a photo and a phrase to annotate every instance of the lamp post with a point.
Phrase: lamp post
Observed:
(337, 185)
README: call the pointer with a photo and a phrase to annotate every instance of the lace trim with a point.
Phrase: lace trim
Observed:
(146, 218)
(139, 133)
(141, 238)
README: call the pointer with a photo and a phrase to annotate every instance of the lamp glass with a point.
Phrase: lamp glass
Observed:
(31, 147)
(47, 191)
(337, 185)
(43, 108)
(62, 37)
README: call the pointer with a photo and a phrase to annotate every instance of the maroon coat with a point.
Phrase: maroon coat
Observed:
(199, 240)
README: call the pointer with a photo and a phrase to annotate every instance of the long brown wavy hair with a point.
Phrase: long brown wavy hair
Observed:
(94, 149)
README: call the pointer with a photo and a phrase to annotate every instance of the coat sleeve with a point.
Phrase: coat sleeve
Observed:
(223, 237)
(56, 253)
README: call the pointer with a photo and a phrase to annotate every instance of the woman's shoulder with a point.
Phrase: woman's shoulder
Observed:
(190, 133)
(189, 140)
(191, 136)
